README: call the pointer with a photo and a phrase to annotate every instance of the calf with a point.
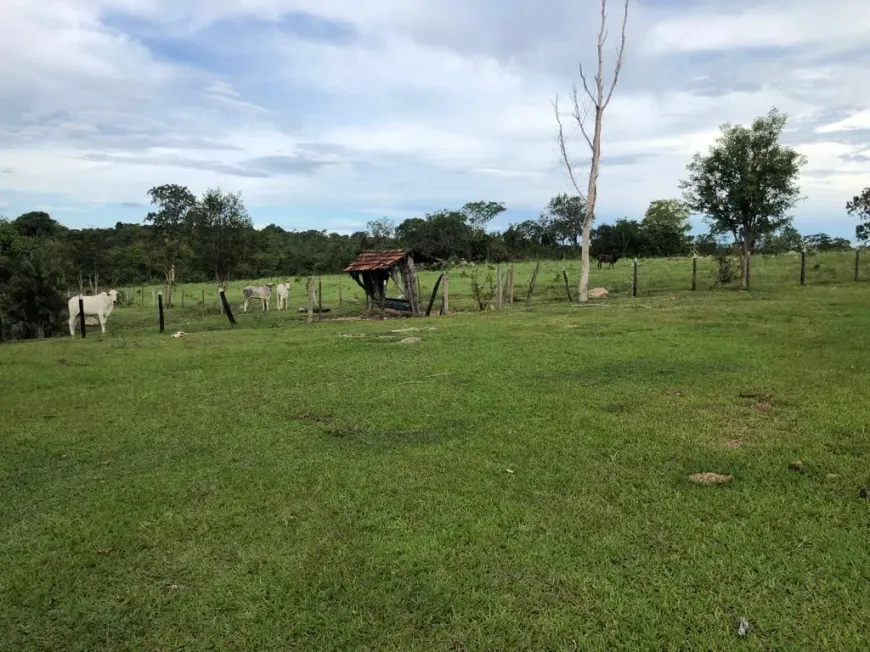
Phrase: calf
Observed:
(262, 292)
(99, 306)
(283, 295)
(607, 259)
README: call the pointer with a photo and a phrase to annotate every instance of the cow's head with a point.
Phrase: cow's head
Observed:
(113, 295)
(269, 285)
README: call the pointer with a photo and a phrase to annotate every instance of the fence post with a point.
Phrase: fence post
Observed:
(339, 291)
(160, 310)
(532, 284)
(498, 295)
(319, 299)
(511, 286)
(82, 315)
(694, 272)
(434, 294)
(445, 298)
(225, 306)
(857, 253)
(310, 299)
(567, 286)
(803, 267)
(634, 280)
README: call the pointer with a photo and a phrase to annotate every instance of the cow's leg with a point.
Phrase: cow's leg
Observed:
(102, 319)
(72, 324)
(245, 305)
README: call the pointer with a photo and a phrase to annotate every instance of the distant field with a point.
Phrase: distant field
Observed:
(656, 277)
(513, 481)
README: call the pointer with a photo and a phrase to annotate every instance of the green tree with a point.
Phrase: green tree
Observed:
(37, 224)
(859, 207)
(746, 184)
(666, 222)
(382, 231)
(481, 213)
(171, 221)
(566, 213)
(222, 231)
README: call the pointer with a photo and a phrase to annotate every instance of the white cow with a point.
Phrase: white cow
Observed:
(283, 295)
(99, 306)
(262, 292)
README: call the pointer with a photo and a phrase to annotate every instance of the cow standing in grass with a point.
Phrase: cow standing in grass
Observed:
(261, 292)
(607, 259)
(283, 290)
(99, 306)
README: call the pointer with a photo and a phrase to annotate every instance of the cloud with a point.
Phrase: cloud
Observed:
(396, 107)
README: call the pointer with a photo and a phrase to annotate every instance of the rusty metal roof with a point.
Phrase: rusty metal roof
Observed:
(371, 260)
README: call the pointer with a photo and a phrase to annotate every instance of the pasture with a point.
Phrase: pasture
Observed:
(513, 481)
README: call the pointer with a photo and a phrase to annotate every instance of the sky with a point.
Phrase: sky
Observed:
(329, 113)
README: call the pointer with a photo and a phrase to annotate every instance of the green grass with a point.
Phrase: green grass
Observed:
(513, 481)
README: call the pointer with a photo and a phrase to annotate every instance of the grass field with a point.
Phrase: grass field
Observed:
(514, 481)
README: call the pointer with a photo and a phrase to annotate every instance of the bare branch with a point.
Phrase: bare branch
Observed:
(619, 54)
(585, 86)
(580, 115)
(564, 151)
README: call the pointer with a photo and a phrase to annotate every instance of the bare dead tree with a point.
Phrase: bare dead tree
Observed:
(595, 102)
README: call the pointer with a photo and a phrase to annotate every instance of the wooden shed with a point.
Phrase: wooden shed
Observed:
(373, 270)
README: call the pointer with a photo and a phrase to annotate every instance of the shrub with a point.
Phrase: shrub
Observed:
(483, 293)
(31, 303)
(725, 270)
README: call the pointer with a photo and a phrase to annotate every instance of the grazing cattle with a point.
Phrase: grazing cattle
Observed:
(597, 293)
(283, 294)
(607, 259)
(261, 292)
(99, 306)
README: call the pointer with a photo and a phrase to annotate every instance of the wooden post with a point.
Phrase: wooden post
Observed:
(319, 299)
(434, 294)
(498, 295)
(339, 291)
(857, 254)
(310, 299)
(567, 286)
(532, 284)
(803, 267)
(82, 315)
(160, 310)
(634, 282)
(225, 306)
(511, 286)
(445, 298)
(694, 272)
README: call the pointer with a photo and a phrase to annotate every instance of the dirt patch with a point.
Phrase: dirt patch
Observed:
(734, 443)
(410, 340)
(673, 392)
(763, 406)
(63, 363)
(709, 478)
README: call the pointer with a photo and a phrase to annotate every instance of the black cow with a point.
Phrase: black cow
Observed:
(607, 259)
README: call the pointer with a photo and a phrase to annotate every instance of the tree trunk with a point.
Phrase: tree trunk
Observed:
(170, 280)
(591, 196)
(744, 264)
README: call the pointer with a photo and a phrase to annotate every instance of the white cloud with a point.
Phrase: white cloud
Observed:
(424, 104)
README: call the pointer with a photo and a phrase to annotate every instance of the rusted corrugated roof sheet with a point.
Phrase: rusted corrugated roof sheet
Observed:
(370, 260)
